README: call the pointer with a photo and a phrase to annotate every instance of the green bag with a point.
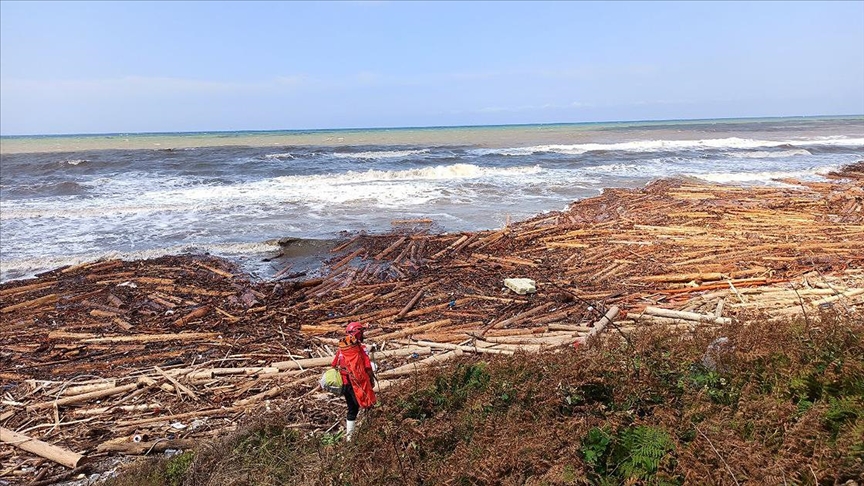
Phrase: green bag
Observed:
(331, 381)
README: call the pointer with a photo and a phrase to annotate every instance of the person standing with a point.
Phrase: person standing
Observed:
(357, 372)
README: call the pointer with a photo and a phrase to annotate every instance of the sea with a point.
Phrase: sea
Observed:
(70, 199)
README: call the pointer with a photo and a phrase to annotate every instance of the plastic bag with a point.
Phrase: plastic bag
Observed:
(331, 381)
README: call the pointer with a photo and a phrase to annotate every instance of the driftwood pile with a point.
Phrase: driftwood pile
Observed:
(138, 357)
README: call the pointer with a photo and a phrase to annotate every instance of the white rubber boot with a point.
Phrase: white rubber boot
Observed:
(349, 428)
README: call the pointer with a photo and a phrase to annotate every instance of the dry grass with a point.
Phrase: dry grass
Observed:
(785, 405)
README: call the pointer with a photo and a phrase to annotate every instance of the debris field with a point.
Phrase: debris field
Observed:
(130, 358)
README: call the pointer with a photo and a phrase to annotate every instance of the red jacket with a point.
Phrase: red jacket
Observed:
(339, 363)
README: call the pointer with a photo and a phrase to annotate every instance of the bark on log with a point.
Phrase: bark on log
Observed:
(410, 304)
(195, 314)
(48, 299)
(601, 324)
(390, 248)
(42, 449)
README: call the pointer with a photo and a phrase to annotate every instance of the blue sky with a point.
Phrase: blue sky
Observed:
(105, 67)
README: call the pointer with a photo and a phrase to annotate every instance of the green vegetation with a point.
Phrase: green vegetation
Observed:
(783, 404)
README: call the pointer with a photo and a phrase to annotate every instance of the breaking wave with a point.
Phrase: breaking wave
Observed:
(670, 146)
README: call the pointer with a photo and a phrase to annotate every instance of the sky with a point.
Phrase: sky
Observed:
(121, 67)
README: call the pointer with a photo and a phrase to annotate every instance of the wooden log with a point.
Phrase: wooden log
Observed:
(81, 389)
(687, 316)
(327, 360)
(195, 314)
(718, 311)
(381, 385)
(390, 248)
(42, 449)
(520, 331)
(144, 407)
(345, 261)
(27, 288)
(215, 270)
(48, 299)
(505, 260)
(302, 363)
(430, 309)
(155, 280)
(647, 319)
(847, 294)
(450, 247)
(140, 448)
(469, 349)
(520, 316)
(179, 416)
(412, 330)
(85, 397)
(345, 245)
(601, 324)
(410, 304)
(419, 365)
(153, 338)
(538, 339)
(210, 373)
(57, 335)
(568, 327)
(274, 391)
(397, 222)
(682, 277)
(176, 383)
(281, 272)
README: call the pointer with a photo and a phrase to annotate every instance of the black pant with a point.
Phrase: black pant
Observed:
(351, 401)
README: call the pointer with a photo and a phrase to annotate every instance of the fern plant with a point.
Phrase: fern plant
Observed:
(640, 450)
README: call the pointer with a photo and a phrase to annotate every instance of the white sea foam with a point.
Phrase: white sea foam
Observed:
(74, 161)
(671, 145)
(380, 154)
(765, 176)
(440, 172)
(763, 154)
(281, 156)
(372, 187)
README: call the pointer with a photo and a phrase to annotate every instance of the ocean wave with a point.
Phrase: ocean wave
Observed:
(439, 172)
(74, 161)
(764, 154)
(379, 154)
(42, 189)
(764, 177)
(279, 156)
(670, 145)
(376, 187)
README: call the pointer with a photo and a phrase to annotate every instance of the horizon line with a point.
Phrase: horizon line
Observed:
(426, 127)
